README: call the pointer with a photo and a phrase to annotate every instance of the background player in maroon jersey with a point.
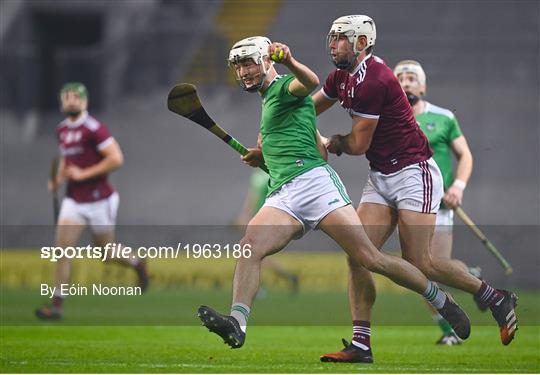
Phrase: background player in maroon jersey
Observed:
(88, 154)
(405, 185)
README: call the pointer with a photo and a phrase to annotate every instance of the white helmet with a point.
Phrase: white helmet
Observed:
(254, 48)
(353, 27)
(411, 66)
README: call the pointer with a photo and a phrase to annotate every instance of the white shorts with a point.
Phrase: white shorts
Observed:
(100, 215)
(417, 187)
(311, 196)
(444, 220)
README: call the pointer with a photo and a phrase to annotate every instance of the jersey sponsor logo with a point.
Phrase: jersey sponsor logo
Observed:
(68, 151)
(72, 136)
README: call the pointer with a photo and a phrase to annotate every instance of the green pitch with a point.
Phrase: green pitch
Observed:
(267, 350)
(294, 348)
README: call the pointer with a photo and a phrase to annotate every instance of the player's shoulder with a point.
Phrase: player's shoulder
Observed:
(377, 70)
(435, 109)
(92, 124)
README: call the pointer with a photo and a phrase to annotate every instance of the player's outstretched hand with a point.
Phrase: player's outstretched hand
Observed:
(254, 157)
(280, 53)
(333, 145)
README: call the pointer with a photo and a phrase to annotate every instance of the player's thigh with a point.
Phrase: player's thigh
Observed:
(378, 220)
(270, 230)
(441, 245)
(68, 232)
(102, 238)
(344, 226)
(102, 215)
(415, 235)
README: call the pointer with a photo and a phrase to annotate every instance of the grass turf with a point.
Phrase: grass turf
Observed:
(277, 340)
(268, 350)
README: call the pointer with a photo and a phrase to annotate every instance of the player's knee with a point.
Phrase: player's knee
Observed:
(257, 252)
(357, 269)
(426, 266)
(372, 262)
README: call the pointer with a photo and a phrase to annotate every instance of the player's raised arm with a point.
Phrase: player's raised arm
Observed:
(322, 103)
(306, 80)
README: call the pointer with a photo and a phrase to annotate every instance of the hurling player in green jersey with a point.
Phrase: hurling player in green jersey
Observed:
(254, 200)
(304, 191)
(447, 141)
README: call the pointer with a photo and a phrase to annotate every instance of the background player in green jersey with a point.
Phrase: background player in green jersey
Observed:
(445, 139)
(304, 192)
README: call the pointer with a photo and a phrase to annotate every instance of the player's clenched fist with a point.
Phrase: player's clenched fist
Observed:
(279, 52)
(254, 157)
(333, 145)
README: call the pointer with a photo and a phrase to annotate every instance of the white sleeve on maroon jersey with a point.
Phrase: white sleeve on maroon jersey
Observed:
(329, 89)
(102, 137)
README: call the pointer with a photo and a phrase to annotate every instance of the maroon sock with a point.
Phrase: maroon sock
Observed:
(57, 302)
(487, 295)
(362, 334)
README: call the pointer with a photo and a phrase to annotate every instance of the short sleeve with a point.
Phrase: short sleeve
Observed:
(454, 130)
(329, 88)
(102, 137)
(369, 99)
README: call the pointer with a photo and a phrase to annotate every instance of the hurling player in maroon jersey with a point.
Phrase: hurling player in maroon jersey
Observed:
(405, 185)
(88, 153)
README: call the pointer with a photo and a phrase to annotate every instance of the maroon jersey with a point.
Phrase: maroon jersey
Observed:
(80, 143)
(372, 91)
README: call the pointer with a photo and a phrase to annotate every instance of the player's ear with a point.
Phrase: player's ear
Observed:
(84, 104)
(267, 62)
(361, 43)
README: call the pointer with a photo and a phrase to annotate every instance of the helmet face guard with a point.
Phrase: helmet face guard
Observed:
(335, 37)
(254, 49)
(261, 74)
(414, 67)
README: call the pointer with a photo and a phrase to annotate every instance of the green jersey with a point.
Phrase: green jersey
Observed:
(440, 127)
(288, 133)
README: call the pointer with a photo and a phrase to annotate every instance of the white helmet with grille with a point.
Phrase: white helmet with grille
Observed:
(255, 48)
(353, 27)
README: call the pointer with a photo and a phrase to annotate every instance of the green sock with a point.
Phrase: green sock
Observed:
(445, 326)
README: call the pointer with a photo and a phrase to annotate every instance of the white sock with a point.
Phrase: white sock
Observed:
(434, 295)
(240, 312)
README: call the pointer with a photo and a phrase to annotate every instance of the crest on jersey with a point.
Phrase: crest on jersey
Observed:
(430, 126)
